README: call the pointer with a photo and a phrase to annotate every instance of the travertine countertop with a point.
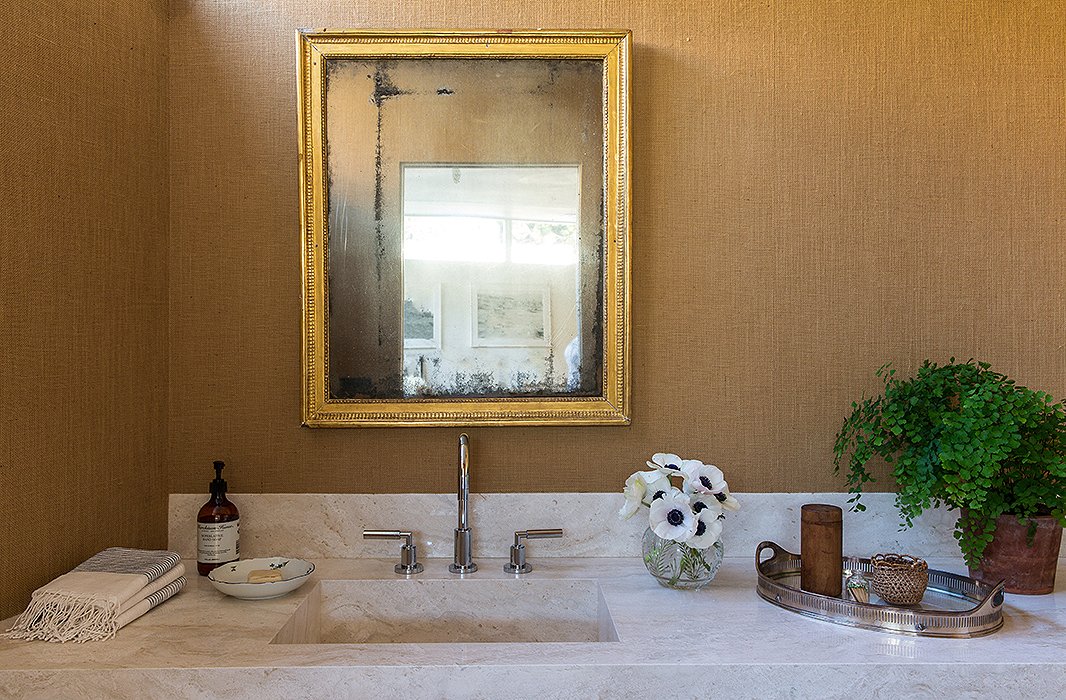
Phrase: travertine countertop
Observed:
(724, 640)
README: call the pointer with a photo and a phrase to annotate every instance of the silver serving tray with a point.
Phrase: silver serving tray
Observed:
(953, 606)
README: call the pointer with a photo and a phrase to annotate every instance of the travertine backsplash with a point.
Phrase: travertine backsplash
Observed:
(331, 525)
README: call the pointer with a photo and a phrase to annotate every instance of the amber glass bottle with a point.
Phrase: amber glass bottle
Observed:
(218, 524)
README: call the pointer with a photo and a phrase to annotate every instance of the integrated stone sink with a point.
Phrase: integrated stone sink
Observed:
(421, 611)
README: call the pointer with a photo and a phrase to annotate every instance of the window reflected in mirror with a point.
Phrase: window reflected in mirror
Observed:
(492, 280)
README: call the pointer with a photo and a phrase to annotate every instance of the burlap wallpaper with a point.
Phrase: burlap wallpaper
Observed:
(83, 210)
(819, 187)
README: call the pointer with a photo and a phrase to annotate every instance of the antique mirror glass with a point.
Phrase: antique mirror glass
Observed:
(465, 227)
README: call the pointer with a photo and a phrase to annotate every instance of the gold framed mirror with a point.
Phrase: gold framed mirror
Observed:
(465, 227)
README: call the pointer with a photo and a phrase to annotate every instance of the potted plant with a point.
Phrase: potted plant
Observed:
(967, 437)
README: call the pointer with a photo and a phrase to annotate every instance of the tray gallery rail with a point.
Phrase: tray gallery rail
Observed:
(953, 606)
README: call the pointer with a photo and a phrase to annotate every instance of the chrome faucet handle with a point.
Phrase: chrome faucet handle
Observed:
(518, 563)
(409, 563)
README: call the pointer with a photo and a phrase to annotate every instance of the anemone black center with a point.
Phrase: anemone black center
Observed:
(698, 506)
(701, 528)
(672, 466)
(721, 497)
(657, 495)
(705, 481)
(675, 517)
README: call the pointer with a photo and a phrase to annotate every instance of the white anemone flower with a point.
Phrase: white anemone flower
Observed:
(703, 478)
(706, 505)
(655, 483)
(667, 462)
(671, 517)
(708, 529)
(726, 499)
(634, 492)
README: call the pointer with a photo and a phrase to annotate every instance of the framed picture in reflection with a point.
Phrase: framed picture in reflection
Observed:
(421, 316)
(510, 316)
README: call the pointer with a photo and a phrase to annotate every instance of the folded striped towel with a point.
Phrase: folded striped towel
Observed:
(102, 594)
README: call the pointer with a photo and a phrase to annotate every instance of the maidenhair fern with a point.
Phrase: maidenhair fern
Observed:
(963, 436)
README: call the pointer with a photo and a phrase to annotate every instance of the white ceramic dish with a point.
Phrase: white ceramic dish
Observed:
(232, 579)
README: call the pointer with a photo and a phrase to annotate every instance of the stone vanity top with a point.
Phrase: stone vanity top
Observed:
(722, 640)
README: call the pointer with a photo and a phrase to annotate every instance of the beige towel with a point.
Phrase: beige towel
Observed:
(86, 603)
(156, 594)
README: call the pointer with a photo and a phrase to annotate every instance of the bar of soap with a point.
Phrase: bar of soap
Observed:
(263, 576)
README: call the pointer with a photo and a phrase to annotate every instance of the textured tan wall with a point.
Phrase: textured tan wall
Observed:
(83, 211)
(818, 188)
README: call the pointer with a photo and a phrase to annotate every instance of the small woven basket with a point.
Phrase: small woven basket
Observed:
(899, 579)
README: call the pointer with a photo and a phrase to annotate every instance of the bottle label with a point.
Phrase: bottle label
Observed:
(218, 543)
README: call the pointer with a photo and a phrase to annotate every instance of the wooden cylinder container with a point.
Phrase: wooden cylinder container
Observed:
(822, 547)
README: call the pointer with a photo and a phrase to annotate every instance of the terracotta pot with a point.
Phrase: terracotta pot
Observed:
(1027, 569)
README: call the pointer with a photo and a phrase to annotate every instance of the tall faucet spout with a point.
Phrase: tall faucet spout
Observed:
(463, 563)
(464, 481)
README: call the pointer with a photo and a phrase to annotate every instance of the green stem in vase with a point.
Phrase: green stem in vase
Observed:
(692, 562)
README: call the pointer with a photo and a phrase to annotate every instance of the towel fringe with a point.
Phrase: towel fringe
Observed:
(54, 616)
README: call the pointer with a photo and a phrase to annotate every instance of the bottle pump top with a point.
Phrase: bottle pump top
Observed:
(218, 485)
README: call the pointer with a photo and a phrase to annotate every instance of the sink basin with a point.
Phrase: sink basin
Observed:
(427, 611)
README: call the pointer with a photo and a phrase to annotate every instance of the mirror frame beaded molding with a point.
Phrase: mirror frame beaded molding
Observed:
(611, 406)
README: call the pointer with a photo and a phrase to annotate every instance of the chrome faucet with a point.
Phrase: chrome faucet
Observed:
(463, 563)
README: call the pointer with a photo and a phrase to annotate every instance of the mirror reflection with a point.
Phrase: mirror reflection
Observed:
(466, 228)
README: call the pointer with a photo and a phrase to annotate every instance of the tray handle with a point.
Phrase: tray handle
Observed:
(764, 545)
(992, 601)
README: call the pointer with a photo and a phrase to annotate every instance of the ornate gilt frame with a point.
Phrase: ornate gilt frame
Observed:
(315, 48)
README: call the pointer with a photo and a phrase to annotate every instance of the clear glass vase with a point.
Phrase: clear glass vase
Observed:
(677, 565)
